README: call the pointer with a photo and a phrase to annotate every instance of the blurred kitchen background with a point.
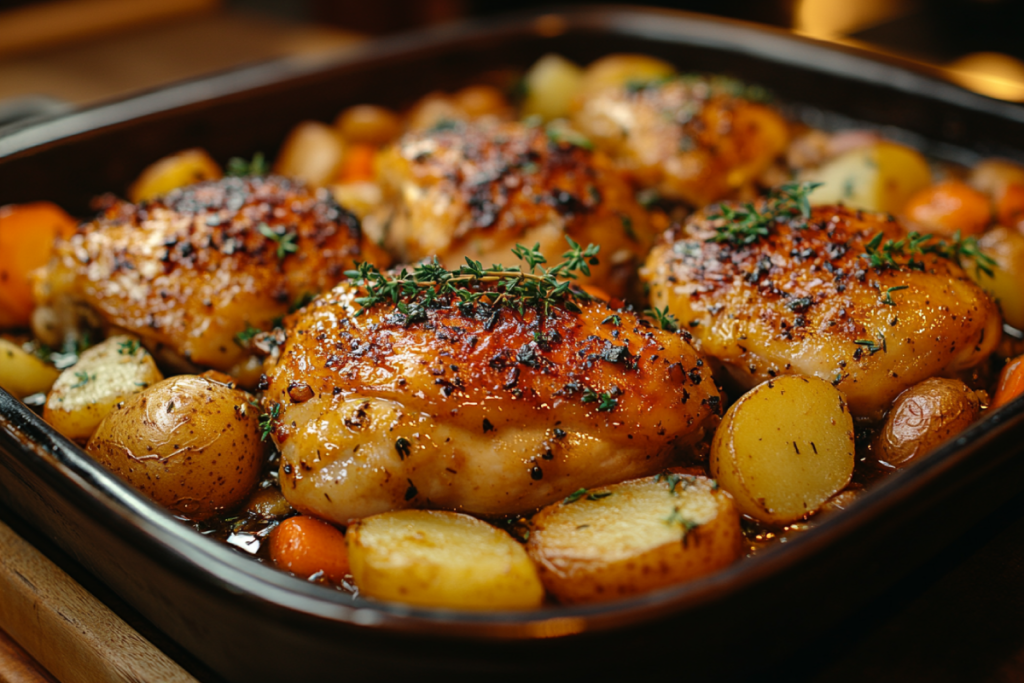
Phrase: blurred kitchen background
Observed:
(59, 54)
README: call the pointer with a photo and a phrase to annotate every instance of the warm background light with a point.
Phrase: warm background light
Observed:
(990, 73)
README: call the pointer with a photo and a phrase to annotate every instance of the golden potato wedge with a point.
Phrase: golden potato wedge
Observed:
(441, 559)
(923, 417)
(312, 153)
(634, 537)
(877, 177)
(784, 448)
(550, 85)
(177, 170)
(189, 443)
(104, 375)
(1006, 284)
(22, 373)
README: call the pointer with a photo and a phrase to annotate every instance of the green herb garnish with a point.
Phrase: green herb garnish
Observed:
(267, 420)
(667, 321)
(83, 379)
(128, 348)
(887, 297)
(285, 240)
(747, 223)
(882, 253)
(512, 287)
(245, 336)
(239, 167)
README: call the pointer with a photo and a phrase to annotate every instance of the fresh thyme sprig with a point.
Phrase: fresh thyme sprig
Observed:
(267, 420)
(128, 348)
(747, 223)
(285, 240)
(414, 292)
(882, 253)
(668, 322)
(239, 167)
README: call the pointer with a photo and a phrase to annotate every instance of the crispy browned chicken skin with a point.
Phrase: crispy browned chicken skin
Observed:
(806, 300)
(479, 409)
(688, 137)
(477, 189)
(192, 270)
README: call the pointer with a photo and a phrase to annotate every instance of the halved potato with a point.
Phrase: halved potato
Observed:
(784, 448)
(176, 170)
(550, 84)
(23, 374)
(877, 177)
(617, 70)
(1006, 284)
(312, 153)
(441, 559)
(634, 537)
(104, 375)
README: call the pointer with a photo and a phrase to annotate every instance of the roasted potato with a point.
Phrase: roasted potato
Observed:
(923, 417)
(1006, 284)
(441, 559)
(104, 375)
(312, 153)
(617, 70)
(368, 124)
(877, 177)
(177, 170)
(784, 448)
(634, 537)
(22, 373)
(189, 443)
(550, 85)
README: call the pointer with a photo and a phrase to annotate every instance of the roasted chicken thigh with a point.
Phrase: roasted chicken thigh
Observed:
(692, 139)
(474, 407)
(475, 190)
(191, 272)
(843, 295)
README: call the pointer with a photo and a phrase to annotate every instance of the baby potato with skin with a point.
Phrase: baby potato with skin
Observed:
(106, 374)
(923, 417)
(634, 537)
(189, 443)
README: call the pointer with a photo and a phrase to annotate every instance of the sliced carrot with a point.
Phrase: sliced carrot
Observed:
(27, 232)
(357, 166)
(949, 206)
(306, 545)
(1010, 206)
(1011, 382)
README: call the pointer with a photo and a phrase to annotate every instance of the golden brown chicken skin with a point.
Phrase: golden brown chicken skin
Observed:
(477, 189)
(193, 270)
(478, 409)
(806, 299)
(685, 136)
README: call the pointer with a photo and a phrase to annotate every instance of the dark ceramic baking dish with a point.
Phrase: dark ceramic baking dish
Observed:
(248, 622)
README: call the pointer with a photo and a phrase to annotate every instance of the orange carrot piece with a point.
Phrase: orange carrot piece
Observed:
(27, 232)
(1011, 382)
(949, 206)
(1010, 206)
(357, 166)
(306, 545)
